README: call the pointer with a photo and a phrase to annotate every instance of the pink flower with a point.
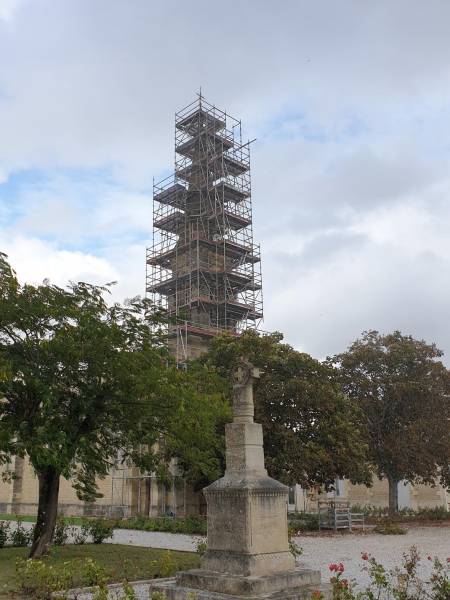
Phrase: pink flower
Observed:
(365, 556)
(333, 567)
(340, 568)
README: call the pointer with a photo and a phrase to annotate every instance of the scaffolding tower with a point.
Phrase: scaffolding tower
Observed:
(203, 266)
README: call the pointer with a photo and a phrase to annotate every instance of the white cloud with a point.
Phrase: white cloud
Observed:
(350, 171)
(8, 9)
(36, 260)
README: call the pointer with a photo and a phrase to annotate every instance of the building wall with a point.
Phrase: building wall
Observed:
(125, 493)
(410, 496)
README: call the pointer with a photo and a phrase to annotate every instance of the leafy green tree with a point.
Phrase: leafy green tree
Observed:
(403, 391)
(83, 382)
(196, 438)
(311, 433)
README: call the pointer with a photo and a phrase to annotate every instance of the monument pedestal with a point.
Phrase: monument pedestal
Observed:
(247, 552)
(299, 584)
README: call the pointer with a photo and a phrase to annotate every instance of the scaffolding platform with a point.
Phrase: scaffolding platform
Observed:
(204, 267)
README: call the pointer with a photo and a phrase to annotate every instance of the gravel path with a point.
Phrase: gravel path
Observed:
(155, 539)
(387, 549)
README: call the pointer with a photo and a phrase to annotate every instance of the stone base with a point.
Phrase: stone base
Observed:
(247, 565)
(199, 584)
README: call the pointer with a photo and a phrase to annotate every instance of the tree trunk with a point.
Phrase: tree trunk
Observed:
(47, 511)
(393, 496)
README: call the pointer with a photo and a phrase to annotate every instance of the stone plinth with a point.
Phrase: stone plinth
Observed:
(248, 549)
(247, 516)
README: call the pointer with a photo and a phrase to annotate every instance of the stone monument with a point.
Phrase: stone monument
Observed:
(248, 549)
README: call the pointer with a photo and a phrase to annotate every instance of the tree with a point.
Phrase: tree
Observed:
(196, 438)
(403, 391)
(311, 433)
(82, 383)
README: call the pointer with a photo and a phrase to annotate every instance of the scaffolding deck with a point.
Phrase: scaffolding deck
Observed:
(204, 267)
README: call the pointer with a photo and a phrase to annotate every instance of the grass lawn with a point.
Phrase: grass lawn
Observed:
(120, 562)
(32, 519)
(28, 519)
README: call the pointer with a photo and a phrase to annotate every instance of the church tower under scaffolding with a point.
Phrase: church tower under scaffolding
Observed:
(203, 266)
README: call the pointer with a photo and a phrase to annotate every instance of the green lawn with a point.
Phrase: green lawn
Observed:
(32, 519)
(28, 519)
(120, 562)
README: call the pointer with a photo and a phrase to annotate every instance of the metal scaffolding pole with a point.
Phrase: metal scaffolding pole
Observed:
(204, 267)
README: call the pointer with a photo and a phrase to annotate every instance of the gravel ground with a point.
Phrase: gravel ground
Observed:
(155, 539)
(387, 549)
(319, 551)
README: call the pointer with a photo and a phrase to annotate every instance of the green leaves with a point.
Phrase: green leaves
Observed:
(81, 380)
(310, 427)
(403, 391)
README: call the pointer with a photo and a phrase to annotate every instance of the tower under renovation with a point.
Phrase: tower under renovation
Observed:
(204, 267)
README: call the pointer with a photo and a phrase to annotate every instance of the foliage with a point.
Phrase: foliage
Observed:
(20, 537)
(387, 527)
(99, 530)
(405, 515)
(294, 548)
(166, 565)
(39, 580)
(4, 533)
(84, 382)
(93, 573)
(62, 531)
(311, 431)
(156, 595)
(401, 583)
(196, 437)
(403, 391)
(201, 547)
(303, 521)
(193, 524)
(80, 535)
(119, 562)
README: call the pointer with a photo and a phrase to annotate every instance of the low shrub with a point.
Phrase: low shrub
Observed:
(38, 580)
(437, 513)
(194, 525)
(303, 521)
(80, 535)
(62, 531)
(21, 537)
(387, 527)
(167, 565)
(401, 583)
(4, 533)
(93, 573)
(201, 547)
(98, 529)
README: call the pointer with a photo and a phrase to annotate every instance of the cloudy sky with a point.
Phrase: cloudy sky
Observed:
(348, 100)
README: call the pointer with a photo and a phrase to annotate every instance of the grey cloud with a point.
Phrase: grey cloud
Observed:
(348, 100)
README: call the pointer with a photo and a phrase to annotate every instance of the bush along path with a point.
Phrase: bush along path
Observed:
(20, 534)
